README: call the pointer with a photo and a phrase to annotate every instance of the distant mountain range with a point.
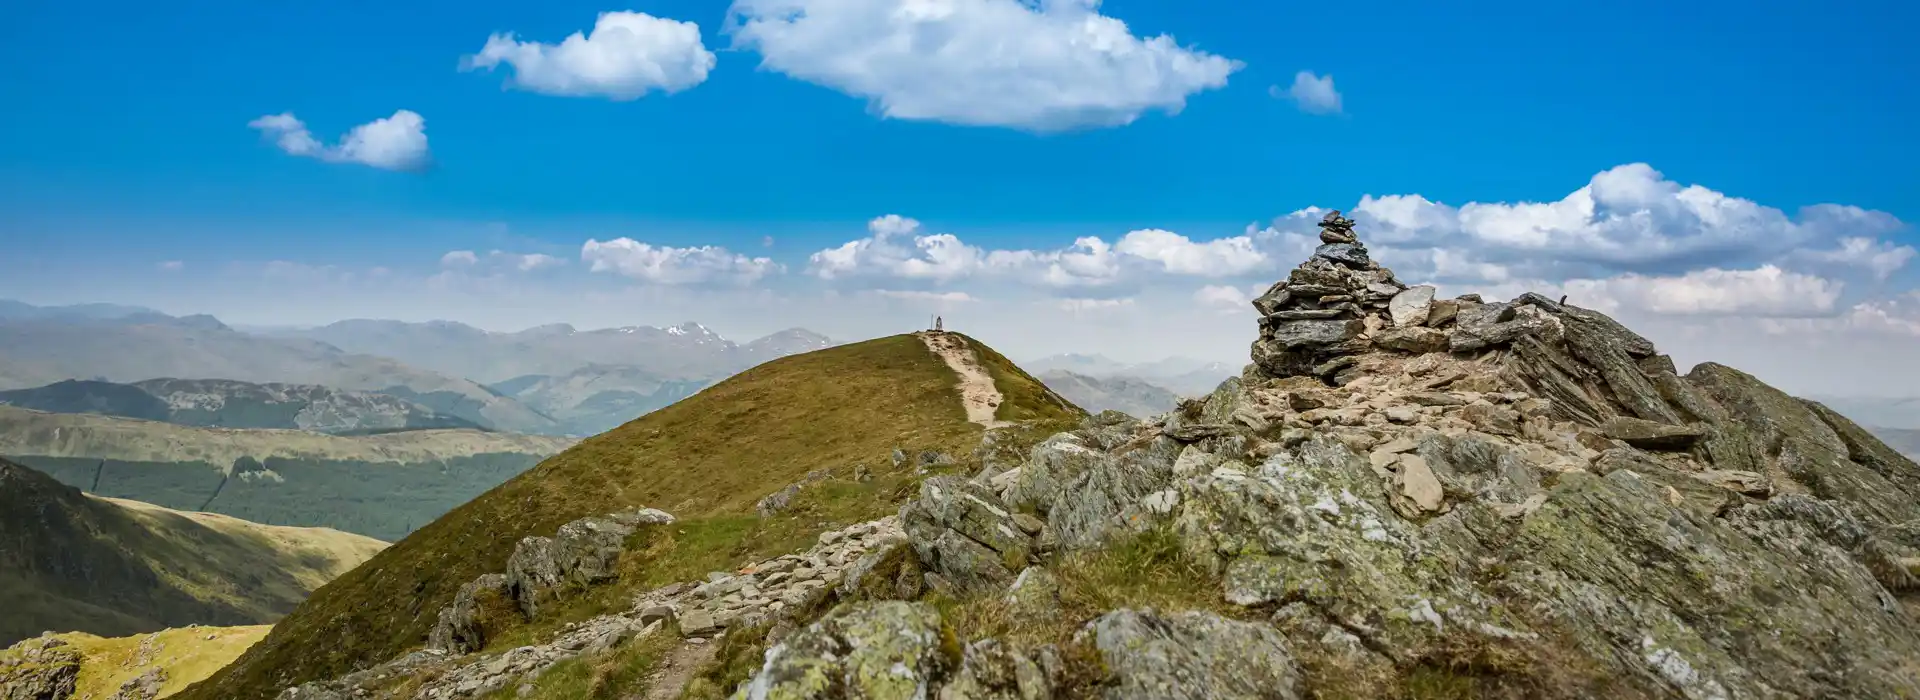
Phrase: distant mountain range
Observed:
(1136, 397)
(682, 352)
(552, 379)
(112, 567)
(48, 348)
(1185, 376)
(225, 403)
(380, 485)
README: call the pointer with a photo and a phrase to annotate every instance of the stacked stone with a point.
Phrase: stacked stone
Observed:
(1324, 313)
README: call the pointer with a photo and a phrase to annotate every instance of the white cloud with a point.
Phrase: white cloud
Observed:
(1898, 316)
(172, 265)
(925, 296)
(459, 258)
(398, 142)
(1766, 291)
(1314, 94)
(627, 55)
(1178, 254)
(1222, 297)
(1086, 305)
(1039, 65)
(1626, 219)
(898, 247)
(671, 266)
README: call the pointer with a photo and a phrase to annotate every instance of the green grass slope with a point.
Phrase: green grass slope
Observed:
(706, 459)
(71, 562)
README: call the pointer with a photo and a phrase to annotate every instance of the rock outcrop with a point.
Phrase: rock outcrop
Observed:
(45, 668)
(581, 553)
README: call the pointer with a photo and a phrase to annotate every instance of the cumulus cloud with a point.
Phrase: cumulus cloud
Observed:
(172, 265)
(1222, 297)
(459, 258)
(899, 247)
(1629, 219)
(398, 142)
(499, 260)
(1040, 66)
(674, 266)
(1314, 94)
(1767, 291)
(626, 56)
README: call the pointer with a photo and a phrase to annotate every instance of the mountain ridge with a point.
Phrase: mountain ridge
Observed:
(227, 403)
(707, 459)
(43, 351)
(115, 567)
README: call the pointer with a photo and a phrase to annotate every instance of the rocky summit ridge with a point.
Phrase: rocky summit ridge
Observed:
(1402, 496)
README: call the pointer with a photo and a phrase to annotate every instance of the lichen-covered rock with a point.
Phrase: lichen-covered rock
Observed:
(1084, 489)
(966, 535)
(991, 670)
(42, 668)
(145, 686)
(1192, 656)
(582, 552)
(888, 650)
(462, 627)
(888, 571)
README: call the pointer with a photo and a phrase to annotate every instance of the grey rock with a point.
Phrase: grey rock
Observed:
(1192, 656)
(964, 532)
(1295, 335)
(1350, 254)
(1413, 339)
(992, 670)
(888, 571)
(145, 686)
(888, 650)
(1411, 306)
(583, 551)
(42, 668)
(1273, 300)
(1648, 435)
(698, 623)
(461, 627)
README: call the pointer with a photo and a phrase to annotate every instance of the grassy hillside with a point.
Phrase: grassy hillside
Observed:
(382, 486)
(71, 562)
(706, 459)
(187, 654)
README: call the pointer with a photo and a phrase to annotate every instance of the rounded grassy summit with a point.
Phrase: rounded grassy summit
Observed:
(865, 419)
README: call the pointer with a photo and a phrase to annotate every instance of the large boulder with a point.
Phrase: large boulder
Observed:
(462, 627)
(583, 552)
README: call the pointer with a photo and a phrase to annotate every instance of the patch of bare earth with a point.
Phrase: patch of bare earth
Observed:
(977, 391)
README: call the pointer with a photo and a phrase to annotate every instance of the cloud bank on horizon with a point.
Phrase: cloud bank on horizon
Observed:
(1685, 262)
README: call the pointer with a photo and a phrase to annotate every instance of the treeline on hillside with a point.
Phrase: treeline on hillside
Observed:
(383, 500)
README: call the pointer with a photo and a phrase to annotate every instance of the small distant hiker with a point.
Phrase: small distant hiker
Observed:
(937, 323)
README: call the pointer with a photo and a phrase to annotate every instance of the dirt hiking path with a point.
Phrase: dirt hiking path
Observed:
(670, 678)
(977, 391)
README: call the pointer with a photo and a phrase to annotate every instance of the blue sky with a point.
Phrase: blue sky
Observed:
(126, 144)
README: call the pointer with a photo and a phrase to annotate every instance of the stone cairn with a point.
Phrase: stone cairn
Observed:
(1337, 305)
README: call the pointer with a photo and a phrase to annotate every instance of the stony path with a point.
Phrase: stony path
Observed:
(977, 391)
(704, 609)
(674, 672)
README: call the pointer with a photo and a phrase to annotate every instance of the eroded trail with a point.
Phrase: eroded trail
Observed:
(977, 391)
